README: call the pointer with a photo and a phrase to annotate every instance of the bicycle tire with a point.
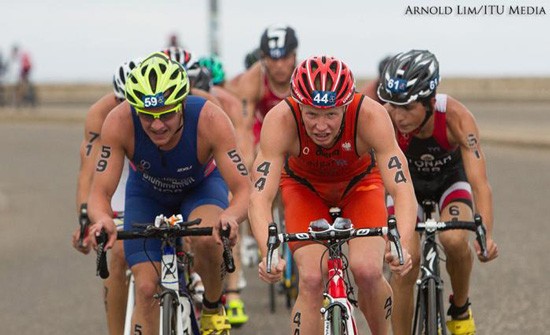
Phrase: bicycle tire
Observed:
(431, 310)
(272, 298)
(169, 315)
(419, 313)
(291, 284)
(337, 321)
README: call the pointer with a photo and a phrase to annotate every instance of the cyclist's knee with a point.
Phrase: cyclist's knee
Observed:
(367, 273)
(146, 282)
(455, 243)
(145, 290)
(311, 283)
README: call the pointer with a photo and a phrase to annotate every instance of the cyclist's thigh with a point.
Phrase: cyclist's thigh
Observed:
(211, 191)
(308, 262)
(457, 192)
(302, 205)
(365, 204)
(141, 209)
(460, 210)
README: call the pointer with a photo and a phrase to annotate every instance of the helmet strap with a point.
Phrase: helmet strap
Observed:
(429, 111)
(181, 125)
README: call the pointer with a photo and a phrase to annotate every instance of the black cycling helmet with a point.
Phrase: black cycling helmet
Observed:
(200, 77)
(382, 65)
(408, 77)
(252, 57)
(278, 41)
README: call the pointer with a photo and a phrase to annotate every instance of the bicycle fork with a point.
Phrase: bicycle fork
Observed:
(430, 277)
(336, 295)
(170, 284)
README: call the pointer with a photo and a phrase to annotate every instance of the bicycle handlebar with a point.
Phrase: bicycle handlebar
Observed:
(181, 229)
(83, 222)
(476, 226)
(393, 236)
(227, 252)
(275, 239)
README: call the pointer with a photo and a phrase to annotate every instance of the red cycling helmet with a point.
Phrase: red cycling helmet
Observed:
(322, 82)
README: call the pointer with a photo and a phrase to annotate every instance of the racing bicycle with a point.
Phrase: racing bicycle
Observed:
(177, 314)
(429, 315)
(338, 296)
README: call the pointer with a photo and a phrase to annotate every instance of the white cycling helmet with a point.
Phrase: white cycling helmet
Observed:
(120, 76)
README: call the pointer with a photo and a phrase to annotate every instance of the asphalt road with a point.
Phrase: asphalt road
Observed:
(48, 288)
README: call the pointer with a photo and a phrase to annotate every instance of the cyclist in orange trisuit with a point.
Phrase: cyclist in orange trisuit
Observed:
(440, 139)
(330, 146)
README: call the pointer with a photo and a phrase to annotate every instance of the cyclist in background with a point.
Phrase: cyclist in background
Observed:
(261, 87)
(172, 141)
(266, 83)
(440, 139)
(252, 57)
(115, 287)
(324, 141)
(235, 306)
(371, 89)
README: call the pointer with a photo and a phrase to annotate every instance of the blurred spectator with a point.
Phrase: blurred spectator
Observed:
(3, 70)
(20, 68)
(173, 40)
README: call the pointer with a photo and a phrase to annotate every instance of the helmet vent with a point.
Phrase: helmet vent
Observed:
(305, 80)
(153, 80)
(174, 75)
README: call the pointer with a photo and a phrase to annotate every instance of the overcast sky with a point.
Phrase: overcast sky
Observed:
(85, 40)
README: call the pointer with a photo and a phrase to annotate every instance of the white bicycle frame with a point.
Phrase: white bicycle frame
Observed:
(169, 281)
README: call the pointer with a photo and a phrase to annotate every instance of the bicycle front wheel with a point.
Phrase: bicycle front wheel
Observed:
(431, 310)
(169, 315)
(337, 321)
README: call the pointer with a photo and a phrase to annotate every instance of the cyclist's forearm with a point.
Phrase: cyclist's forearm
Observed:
(238, 207)
(483, 204)
(405, 214)
(260, 217)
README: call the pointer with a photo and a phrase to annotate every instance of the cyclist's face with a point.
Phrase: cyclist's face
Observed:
(280, 70)
(408, 117)
(161, 123)
(322, 125)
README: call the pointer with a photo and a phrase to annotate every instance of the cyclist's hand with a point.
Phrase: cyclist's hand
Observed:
(492, 250)
(276, 271)
(393, 260)
(95, 230)
(224, 222)
(85, 248)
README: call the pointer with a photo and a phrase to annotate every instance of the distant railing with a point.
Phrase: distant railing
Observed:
(473, 89)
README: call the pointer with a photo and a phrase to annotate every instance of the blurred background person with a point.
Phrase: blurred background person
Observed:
(370, 88)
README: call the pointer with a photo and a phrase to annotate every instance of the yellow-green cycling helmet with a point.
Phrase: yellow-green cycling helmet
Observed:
(157, 82)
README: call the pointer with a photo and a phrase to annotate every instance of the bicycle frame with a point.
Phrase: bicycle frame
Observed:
(337, 308)
(429, 315)
(169, 286)
(173, 283)
(173, 297)
(430, 278)
(336, 292)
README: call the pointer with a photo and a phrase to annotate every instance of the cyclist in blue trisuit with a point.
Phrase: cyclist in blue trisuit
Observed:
(184, 159)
